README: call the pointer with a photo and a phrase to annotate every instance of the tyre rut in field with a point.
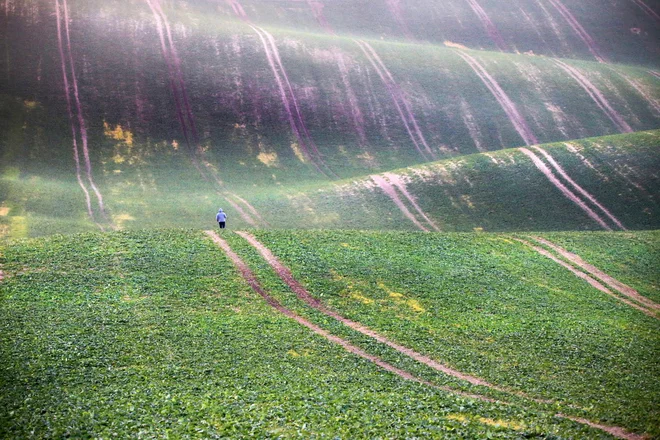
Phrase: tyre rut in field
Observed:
(300, 291)
(252, 281)
(566, 262)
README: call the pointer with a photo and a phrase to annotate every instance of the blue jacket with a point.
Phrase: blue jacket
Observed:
(221, 216)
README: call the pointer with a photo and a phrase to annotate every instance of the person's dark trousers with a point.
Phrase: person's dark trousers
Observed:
(222, 225)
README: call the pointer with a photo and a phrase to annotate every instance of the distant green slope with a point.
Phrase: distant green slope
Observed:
(156, 333)
(497, 191)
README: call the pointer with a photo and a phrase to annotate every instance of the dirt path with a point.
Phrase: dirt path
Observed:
(286, 276)
(588, 279)
(593, 270)
(251, 279)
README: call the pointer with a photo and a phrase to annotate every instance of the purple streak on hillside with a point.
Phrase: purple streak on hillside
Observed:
(400, 101)
(654, 103)
(290, 102)
(560, 170)
(317, 10)
(179, 74)
(565, 191)
(516, 118)
(654, 73)
(488, 24)
(171, 74)
(596, 95)
(389, 190)
(238, 9)
(401, 186)
(74, 134)
(81, 119)
(356, 113)
(395, 9)
(577, 27)
(647, 9)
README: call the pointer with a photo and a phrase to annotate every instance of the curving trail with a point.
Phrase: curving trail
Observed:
(578, 29)
(252, 281)
(401, 186)
(395, 9)
(81, 126)
(389, 190)
(564, 190)
(285, 274)
(317, 11)
(578, 188)
(488, 25)
(596, 95)
(514, 115)
(185, 115)
(588, 279)
(290, 102)
(647, 9)
(654, 103)
(593, 270)
(402, 105)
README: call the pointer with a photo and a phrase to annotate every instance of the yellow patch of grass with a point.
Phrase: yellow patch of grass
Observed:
(298, 152)
(268, 159)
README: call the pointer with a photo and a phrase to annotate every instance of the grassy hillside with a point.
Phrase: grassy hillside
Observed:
(157, 333)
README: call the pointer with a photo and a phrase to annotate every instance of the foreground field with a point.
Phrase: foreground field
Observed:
(158, 334)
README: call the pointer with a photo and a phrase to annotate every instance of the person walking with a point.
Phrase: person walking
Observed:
(221, 218)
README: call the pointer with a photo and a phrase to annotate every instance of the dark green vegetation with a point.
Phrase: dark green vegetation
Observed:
(155, 333)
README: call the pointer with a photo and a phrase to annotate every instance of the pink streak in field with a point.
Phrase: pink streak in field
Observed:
(172, 74)
(578, 188)
(516, 118)
(401, 186)
(179, 74)
(587, 278)
(81, 120)
(488, 24)
(399, 99)
(395, 9)
(356, 113)
(238, 9)
(646, 8)
(302, 293)
(596, 95)
(67, 89)
(289, 100)
(567, 192)
(654, 73)
(607, 279)
(578, 29)
(317, 10)
(640, 89)
(615, 431)
(389, 190)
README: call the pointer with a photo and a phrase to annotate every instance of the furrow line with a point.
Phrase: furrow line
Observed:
(593, 282)
(488, 24)
(401, 186)
(564, 190)
(516, 118)
(578, 188)
(82, 126)
(252, 281)
(596, 95)
(389, 190)
(578, 29)
(647, 9)
(604, 277)
(397, 97)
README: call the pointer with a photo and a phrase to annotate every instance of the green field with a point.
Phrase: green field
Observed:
(443, 219)
(156, 334)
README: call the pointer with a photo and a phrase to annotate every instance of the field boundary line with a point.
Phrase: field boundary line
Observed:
(612, 282)
(592, 281)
